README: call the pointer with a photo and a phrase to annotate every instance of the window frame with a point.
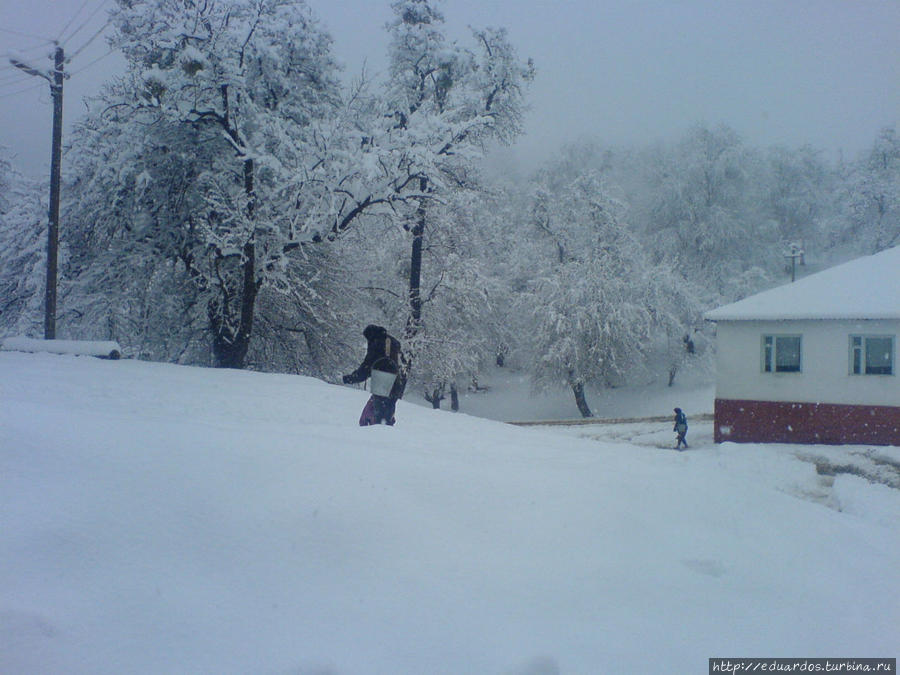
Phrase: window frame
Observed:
(769, 353)
(858, 353)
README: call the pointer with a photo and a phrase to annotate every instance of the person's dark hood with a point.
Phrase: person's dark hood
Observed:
(373, 332)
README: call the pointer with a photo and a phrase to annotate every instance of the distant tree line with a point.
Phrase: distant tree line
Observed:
(229, 202)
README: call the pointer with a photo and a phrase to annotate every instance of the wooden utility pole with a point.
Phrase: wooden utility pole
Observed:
(56, 91)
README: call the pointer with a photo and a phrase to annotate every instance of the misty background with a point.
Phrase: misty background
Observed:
(823, 72)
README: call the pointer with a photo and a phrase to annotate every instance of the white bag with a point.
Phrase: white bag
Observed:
(382, 382)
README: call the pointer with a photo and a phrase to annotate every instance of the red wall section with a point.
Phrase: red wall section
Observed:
(831, 424)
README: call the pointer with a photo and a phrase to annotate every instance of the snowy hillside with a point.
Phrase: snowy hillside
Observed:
(165, 519)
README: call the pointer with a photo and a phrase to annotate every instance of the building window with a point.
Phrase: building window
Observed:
(781, 353)
(871, 355)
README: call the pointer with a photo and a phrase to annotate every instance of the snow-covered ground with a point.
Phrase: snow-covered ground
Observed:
(165, 519)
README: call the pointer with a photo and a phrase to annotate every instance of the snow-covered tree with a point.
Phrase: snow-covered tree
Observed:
(130, 204)
(461, 321)
(704, 215)
(795, 193)
(23, 252)
(313, 327)
(200, 144)
(597, 302)
(444, 103)
(459, 326)
(873, 205)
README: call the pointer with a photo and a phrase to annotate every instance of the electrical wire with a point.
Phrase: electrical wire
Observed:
(45, 42)
(93, 37)
(27, 35)
(72, 20)
(10, 94)
(86, 21)
(88, 65)
(13, 79)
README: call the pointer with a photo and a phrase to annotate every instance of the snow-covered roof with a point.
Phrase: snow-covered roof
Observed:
(865, 288)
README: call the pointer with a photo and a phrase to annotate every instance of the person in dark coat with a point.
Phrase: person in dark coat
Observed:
(382, 353)
(681, 427)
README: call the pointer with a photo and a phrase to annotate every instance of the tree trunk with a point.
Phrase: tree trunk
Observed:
(580, 400)
(435, 396)
(454, 398)
(414, 320)
(415, 267)
(230, 345)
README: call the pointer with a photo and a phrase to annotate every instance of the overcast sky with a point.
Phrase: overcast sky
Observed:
(825, 72)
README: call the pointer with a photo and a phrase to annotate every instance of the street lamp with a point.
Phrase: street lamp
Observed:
(795, 252)
(55, 78)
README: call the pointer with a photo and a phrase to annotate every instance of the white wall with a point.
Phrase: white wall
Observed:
(825, 377)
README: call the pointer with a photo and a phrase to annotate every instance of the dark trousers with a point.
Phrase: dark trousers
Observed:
(384, 409)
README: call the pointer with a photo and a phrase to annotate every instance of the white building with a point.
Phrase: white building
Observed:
(813, 361)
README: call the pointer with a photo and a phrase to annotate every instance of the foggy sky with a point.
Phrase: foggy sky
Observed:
(824, 72)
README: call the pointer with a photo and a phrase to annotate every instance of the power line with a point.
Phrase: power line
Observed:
(21, 91)
(86, 21)
(11, 80)
(70, 21)
(45, 41)
(88, 65)
(93, 37)
(28, 35)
